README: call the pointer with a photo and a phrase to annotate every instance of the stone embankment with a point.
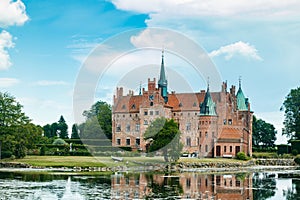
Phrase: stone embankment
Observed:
(181, 166)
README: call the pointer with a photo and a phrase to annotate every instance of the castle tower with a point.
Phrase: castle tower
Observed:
(162, 82)
(242, 102)
(207, 126)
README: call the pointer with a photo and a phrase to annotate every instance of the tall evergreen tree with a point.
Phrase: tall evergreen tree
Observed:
(62, 128)
(75, 134)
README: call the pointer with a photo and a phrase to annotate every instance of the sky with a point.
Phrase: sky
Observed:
(44, 46)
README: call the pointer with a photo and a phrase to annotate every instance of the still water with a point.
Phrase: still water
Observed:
(255, 185)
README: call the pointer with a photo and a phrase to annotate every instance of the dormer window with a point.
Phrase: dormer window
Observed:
(180, 104)
(133, 106)
(195, 104)
(123, 107)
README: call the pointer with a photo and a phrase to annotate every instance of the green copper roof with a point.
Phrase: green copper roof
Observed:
(208, 107)
(163, 82)
(242, 103)
(162, 78)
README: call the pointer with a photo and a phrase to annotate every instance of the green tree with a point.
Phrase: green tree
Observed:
(102, 111)
(75, 134)
(62, 128)
(164, 136)
(263, 134)
(291, 107)
(16, 132)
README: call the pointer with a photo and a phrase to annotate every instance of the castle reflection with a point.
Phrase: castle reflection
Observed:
(182, 186)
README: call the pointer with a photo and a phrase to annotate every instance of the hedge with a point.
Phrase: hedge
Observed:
(283, 149)
(295, 145)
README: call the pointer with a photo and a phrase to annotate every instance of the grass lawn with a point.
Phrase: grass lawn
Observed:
(83, 161)
(89, 161)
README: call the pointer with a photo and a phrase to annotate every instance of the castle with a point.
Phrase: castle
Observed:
(212, 124)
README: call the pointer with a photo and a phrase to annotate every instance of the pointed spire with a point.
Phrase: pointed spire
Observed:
(208, 106)
(140, 92)
(162, 82)
(240, 98)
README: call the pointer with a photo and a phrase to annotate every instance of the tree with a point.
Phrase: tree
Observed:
(62, 128)
(102, 111)
(16, 132)
(263, 134)
(291, 107)
(75, 134)
(164, 136)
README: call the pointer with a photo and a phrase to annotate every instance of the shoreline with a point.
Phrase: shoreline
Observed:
(182, 166)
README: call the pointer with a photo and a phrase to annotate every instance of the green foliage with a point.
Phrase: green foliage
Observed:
(242, 156)
(297, 160)
(295, 145)
(59, 128)
(59, 141)
(165, 136)
(43, 150)
(62, 128)
(264, 155)
(295, 152)
(283, 149)
(102, 111)
(75, 134)
(16, 132)
(263, 134)
(6, 154)
(291, 107)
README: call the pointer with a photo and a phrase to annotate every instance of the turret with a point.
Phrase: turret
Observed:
(162, 82)
(208, 106)
(242, 102)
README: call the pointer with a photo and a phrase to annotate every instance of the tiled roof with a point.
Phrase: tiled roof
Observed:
(230, 133)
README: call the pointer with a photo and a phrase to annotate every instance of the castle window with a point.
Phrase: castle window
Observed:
(174, 114)
(151, 112)
(180, 104)
(225, 149)
(224, 121)
(206, 134)
(118, 128)
(206, 148)
(230, 121)
(188, 126)
(189, 114)
(123, 107)
(195, 104)
(230, 148)
(127, 180)
(133, 106)
(200, 148)
(188, 183)
(213, 134)
(157, 112)
(198, 141)
(145, 122)
(137, 127)
(137, 142)
(145, 112)
(200, 134)
(127, 127)
(123, 116)
(128, 141)
(137, 181)
(118, 141)
(195, 114)
(151, 103)
(188, 141)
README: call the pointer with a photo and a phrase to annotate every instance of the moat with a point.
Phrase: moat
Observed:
(268, 184)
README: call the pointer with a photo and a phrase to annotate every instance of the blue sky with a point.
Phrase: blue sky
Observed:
(43, 45)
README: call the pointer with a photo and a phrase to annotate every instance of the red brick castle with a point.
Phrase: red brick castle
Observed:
(212, 124)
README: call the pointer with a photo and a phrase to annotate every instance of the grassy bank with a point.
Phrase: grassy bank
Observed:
(83, 161)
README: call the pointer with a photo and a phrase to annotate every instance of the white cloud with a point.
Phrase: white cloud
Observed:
(8, 82)
(49, 83)
(225, 8)
(12, 13)
(5, 43)
(238, 48)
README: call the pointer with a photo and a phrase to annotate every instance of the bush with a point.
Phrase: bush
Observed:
(43, 150)
(264, 155)
(295, 152)
(242, 156)
(6, 154)
(297, 159)
(59, 141)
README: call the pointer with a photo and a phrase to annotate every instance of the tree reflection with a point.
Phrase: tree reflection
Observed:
(294, 192)
(264, 185)
(166, 187)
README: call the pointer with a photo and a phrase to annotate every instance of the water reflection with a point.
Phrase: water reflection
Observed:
(240, 186)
